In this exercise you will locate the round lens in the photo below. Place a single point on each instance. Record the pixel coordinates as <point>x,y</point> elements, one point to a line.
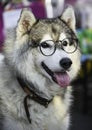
<point>69,45</point>
<point>47,47</point>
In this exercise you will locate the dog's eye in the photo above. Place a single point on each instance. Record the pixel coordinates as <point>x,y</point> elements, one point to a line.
<point>45,45</point>
<point>67,42</point>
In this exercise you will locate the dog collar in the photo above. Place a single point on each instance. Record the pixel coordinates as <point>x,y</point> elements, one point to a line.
<point>31,95</point>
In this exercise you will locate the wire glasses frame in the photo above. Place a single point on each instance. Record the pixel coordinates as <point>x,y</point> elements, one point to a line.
<point>48,47</point>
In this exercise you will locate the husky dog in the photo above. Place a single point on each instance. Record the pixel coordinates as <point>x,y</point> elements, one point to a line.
<point>40,62</point>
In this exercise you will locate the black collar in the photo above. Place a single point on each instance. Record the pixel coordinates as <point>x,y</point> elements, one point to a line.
<point>31,95</point>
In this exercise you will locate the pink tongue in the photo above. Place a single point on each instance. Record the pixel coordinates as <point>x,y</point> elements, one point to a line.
<point>62,79</point>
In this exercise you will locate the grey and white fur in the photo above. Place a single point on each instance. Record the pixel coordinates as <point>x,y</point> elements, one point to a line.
<point>20,59</point>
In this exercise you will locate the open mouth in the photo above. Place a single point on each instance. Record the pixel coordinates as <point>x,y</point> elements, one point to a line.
<point>61,78</point>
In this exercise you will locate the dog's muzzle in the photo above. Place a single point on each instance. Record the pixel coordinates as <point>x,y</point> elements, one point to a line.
<point>61,78</point>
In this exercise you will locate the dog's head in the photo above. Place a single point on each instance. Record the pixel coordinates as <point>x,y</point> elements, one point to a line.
<point>46,50</point>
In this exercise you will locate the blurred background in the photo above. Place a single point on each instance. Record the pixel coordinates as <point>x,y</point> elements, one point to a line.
<point>81,109</point>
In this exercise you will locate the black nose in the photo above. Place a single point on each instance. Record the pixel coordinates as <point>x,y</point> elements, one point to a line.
<point>65,63</point>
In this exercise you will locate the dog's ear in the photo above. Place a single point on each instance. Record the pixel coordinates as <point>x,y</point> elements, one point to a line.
<point>26,21</point>
<point>69,17</point>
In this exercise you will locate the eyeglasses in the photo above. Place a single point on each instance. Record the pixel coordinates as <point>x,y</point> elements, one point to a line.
<point>48,47</point>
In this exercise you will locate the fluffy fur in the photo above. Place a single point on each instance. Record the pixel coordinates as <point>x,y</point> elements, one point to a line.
<point>24,61</point>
